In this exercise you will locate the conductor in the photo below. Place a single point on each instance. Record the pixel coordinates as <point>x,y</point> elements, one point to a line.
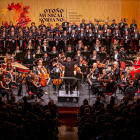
<point>69,72</point>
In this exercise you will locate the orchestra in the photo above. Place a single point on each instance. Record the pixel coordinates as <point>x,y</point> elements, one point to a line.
<point>78,47</point>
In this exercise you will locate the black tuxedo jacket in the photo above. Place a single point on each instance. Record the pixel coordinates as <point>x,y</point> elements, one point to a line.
<point>67,29</point>
<point>74,26</point>
<point>121,27</point>
<point>132,26</point>
<point>99,26</point>
<point>46,58</point>
<point>31,46</point>
<point>128,37</point>
<point>138,36</point>
<point>104,26</point>
<point>97,56</point>
<point>96,31</point>
<point>118,57</point>
<point>83,25</point>
<point>91,25</point>
<point>126,30</point>
<point>63,24</point>
<point>26,56</point>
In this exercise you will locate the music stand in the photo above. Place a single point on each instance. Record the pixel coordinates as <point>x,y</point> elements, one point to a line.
<point>102,56</point>
<point>37,56</point>
<point>87,54</point>
<point>23,55</point>
<point>29,61</point>
<point>53,55</point>
<point>17,56</point>
<point>70,54</point>
<point>45,63</point>
<point>91,61</point>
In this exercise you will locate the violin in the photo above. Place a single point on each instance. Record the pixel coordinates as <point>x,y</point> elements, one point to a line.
<point>101,65</point>
<point>84,63</point>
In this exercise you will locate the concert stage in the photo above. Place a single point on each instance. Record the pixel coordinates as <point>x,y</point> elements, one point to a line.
<point>83,93</point>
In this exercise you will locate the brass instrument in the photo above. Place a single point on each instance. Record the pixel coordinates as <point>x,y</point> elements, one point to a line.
<point>29,47</point>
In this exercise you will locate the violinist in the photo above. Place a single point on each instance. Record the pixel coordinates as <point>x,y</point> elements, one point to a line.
<point>116,70</point>
<point>82,62</point>
<point>125,81</point>
<point>100,65</point>
<point>93,75</point>
<point>8,67</point>
<point>95,55</point>
<point>131,90</point>
<point>36,88</point>
<point>136,67</point>
<point>46,57</point>
<point>8,58</point>
<point>4,90</point>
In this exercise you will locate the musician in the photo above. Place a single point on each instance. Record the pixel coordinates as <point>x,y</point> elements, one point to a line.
<point>21,40</point>
<point>116,56</point>
<point>134,29</point>
<point>26,31</point>
<point>125,81</point>
<point>36,88</point>
<point>69,50</point>
<point>91,25</point>
<point>38,51</point>
<point>78,29</point>
<point>82,62</point>
<point>57,40</point>
<point>95,55</point>
<point>98,25</point>
<point>133,24</point>
<point>60,30</point>
<point>116,70</point>
<point>73,38</point>
<point>126,41</point>
<point>74,26</point>
<point>42,25</point>
<point>12,42</point>
<point>100,65</point>
<point>97,46</point>
<point>69,67</point>
<point>29,45</point>
<point>34,33</point>
<point>109,86</point>
<point>8,67</point>
<point>52,31</point>
<point>65,40</point>
<point>29,83</point>
<point>3,42</point>
<point>105,29</point>
<point>4,90</point>
<point>90,38</point>
<point>49,38</point>
<point>83,25</point>
<point>131,90</point>
<point>113,25</point>
<point>115,45</point>
<point>80,45</point>
<point>78,54</point>
<point>15,52</point>
<point>29,58</point>
<point>45,46</point>
<point>99,36</point>
<point>81,36</point>
<point>7,56</point>
<point>107,37</point>
<point>69,29</point>
<point>33,26</point>
<point>136,67</point>
<point>86,30</point>
<point>121,25</point>
<point>117,34</point>
<point>39,38</point>
<point>54,51</point>
<point>126,29</point>
<point>93,76</point>
<point>65,24</point>
<point>135,40</point>
<point>46,57</point>
<point>123,53</point>
<point>38,69</point>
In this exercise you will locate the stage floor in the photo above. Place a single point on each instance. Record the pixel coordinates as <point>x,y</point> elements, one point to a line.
<point>83,94</point>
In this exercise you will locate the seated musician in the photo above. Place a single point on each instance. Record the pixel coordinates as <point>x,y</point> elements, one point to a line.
<point>97,46</point>
<point>8,58</point>
<point>29,45</point>
<point>131,90</point>
<point>38,51</point>
<point>125,81</point>
<point>16,51</point>
<point>109,85</point>
<point>80,45</point>
<point>103,50</point>
<point>116,70</point>
<point>54,51</point>
<point>100,65</point>
<point>8,67</point>
<point>36,88</point>
<point>29,84</point>
<point>29,57</point>
<point>136,67</point>
<point>57,69</point>
<point>78,54</point>
<point>69,50</point>
<point>95,55</point>
<point>46,57</point>
<point>85,49</point>
<point>3,90</point>
<point>45,46</point>
<point>93,76</point>
<point>115,45</point>
<point>82,62</point>
<point>116,56</point>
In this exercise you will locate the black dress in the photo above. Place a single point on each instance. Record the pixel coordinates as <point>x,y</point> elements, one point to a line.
<point>37,90</point>
<point>3,91</point>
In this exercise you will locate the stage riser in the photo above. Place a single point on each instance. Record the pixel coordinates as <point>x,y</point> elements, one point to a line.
<point>68,99</point>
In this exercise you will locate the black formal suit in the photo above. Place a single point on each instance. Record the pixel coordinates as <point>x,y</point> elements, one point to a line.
<point>79,47</point>
<point>112,26</point>
<point>3,44</point>
<point>126,42</point>
<point>21,42</point>
<point>90,39</point>
<point>69,30</point>
<point>73,38</point>
<point>121,26</point>
<point>65,25</point>
<point>132,26</point>
<point>95,31</point>
<point>117,35</point>
<point>116,73</point>
<point>32,46</point>
<point>99,26</point>
<point>99,37</point>
<point>126,29</point>
<point>65,41</point>
<point>46,58</point>
<point>133,31</point>
<point>97,49</point>
<point>29,59</point>
<point>45,48</point>
<point>69,72</point>
<point>107,38</point>
<point>29,83</point>
<point>81,36</point>
<point>97,57</point>
<point>74,26</point>
<point>78,30</point>
<point>91,25</point>
<point>12,44</point>
<point>57,42</point>
<point>117,58</point>
<point>135,40</point>
<point>123,54</point>
<point>83,25</point>
<point>107,26</point>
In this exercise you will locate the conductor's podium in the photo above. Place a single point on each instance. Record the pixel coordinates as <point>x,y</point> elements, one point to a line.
<point>63,97</point>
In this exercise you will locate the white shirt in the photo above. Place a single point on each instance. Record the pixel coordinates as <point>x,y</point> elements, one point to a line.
<point>116,56</point>
<point>28,57</point>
